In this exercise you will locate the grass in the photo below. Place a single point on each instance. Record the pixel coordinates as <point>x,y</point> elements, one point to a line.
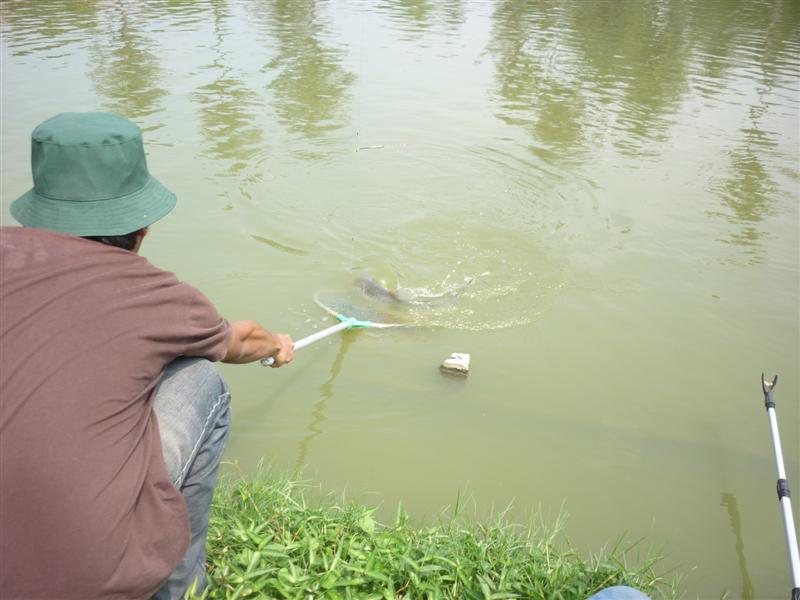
<point>267,540</point>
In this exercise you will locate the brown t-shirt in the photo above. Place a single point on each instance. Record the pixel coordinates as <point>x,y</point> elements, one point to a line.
<point>86,506</point>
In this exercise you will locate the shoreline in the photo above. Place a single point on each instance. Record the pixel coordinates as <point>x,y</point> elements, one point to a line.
<point>267,540</point>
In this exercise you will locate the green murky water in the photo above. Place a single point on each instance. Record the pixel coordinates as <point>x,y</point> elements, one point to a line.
<point>619,180</point>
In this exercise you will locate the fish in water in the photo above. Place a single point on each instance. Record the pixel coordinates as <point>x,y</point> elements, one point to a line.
<point>377,291</point>
<point>372,289</point>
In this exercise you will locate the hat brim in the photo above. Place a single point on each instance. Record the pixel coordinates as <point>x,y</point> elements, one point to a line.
<point>113,216</point>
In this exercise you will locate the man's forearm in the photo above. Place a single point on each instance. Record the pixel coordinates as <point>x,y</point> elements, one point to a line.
<point>251,342</point>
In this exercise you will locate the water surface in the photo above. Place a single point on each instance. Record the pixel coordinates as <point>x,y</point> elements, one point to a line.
<point>619,179</point>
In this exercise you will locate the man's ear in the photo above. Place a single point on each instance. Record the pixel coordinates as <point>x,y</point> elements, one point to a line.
<point>139,237</point>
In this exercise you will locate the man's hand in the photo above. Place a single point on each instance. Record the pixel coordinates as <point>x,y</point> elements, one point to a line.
<point>251,342</point>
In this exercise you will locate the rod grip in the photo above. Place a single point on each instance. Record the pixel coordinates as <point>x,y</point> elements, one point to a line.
<point>783,489</point>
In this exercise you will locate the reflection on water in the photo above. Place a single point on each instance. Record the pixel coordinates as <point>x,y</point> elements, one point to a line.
<point>749,189</point>
<point>537,78</point>
<point>411,16</point>
<point>572,74</point>
<point>227,105</point>
<point>416,20</point>
<point>748,193</point>
<point>318,411</point>
<point>619,177</point>
<point>575,73</point>
<point>31,28</point>
<point>637,53</point>
<point>575,76</point>
<point>718,51</point>
<point>729,502</point>
<point>453,10</point>
<point>309,83</point>
<point>179,15</point>
<point>125,66</point>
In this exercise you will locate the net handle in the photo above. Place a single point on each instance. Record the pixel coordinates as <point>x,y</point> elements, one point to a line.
<point>344,323</point>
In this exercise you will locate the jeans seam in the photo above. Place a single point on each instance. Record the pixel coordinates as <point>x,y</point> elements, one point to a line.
<point>201,437</point>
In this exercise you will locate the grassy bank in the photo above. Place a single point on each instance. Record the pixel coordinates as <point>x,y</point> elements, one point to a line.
<point>268,540</point>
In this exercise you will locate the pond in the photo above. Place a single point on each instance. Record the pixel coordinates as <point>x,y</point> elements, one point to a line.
<point>599,199</point>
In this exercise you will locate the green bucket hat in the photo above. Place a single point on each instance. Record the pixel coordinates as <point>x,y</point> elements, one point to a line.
<point>90,178</point>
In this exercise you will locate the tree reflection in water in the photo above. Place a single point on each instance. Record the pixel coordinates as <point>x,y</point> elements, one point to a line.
<point>228,107</point>
<point>124,67</point>
<point>28,29</point>
<point>577,77</point>
<point>310,84</point>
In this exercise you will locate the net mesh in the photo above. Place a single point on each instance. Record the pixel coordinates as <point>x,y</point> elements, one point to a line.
<point>378,314</point>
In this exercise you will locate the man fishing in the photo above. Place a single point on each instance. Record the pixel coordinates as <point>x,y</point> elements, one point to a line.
<point>113,418</point>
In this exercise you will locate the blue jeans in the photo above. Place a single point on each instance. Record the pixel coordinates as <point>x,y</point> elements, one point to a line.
<point>192,405</point>
<point>619,592</point>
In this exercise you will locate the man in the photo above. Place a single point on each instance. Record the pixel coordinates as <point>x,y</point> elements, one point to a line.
<point>112,417</point>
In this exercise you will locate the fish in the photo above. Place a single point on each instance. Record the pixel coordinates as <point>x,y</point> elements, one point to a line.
<point>375,290</point>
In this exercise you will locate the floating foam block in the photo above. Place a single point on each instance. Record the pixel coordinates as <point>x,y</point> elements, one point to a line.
<point>456,364</point>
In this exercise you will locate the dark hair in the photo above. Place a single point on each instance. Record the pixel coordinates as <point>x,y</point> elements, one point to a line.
<point>126,242</point>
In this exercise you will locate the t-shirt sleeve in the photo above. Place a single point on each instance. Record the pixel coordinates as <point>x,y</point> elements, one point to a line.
<point>209,334</point>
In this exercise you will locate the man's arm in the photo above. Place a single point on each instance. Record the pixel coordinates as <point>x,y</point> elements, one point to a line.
<point>251,342</point>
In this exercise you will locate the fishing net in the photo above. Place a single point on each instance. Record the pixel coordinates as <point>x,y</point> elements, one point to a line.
<point>377,314</point>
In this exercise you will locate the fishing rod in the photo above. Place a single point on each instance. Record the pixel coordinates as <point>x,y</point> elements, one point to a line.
<point>784,496</point>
